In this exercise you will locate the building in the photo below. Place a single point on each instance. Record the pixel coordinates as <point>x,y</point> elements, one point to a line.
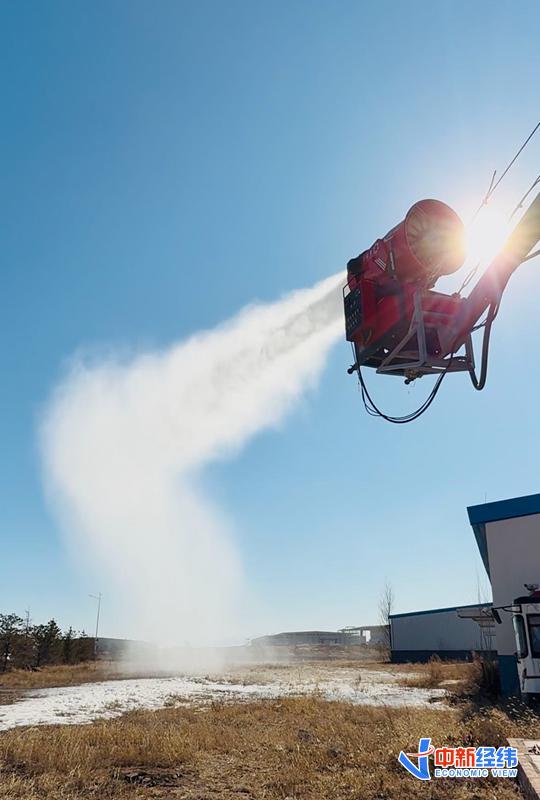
<point>367,635</point>
<point>508,536</point>
<point>110,649</point>
<point>297,638</point>
<point>507,533</point>
<point>418,635</point>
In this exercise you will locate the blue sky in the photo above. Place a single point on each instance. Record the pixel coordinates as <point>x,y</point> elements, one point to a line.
<point>162,165</point>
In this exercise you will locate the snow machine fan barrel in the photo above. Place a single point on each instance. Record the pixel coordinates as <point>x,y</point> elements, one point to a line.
<point>428,243</point>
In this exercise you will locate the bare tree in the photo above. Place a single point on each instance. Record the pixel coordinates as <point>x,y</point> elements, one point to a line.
<point>386,606</point>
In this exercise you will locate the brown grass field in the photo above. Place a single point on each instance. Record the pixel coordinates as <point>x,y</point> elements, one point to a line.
<point>303,748</point>
<point>63,675</point>
<point>432,674</point>
<point>17,681</point>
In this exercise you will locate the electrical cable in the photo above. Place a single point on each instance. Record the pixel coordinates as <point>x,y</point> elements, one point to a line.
<point>480,382</point>
<point>374,411</point>
<point>527,193</point>
<point>493,310</point>
<point>468,278</point>
<point>484,321</point>
<point>493,185</point>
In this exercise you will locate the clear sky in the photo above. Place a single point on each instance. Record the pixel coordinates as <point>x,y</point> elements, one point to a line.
<point>163,164</point>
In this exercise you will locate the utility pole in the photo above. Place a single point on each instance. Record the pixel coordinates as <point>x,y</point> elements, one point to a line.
<point>98,598</point>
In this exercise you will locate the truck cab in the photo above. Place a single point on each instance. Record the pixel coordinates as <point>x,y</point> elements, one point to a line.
<point>526,622</point>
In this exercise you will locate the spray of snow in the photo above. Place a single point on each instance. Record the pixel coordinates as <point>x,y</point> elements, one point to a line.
<point>124,442</point>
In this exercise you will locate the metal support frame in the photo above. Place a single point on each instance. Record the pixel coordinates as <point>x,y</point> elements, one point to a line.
<point>418,361</point>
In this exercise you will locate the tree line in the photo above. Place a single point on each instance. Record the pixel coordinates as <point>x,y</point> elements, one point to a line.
<point>27,646</point>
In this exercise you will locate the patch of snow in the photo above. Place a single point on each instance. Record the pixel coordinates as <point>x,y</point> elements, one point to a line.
<point>71,705</point>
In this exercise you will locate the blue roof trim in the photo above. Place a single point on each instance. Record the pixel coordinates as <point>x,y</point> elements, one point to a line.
<point>479,530</point>
<point>438,610</point>
<point>504,509</point>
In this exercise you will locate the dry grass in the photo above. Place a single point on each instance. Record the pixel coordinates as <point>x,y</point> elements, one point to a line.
<point>478,679</point>
<point>62,675</point>
<point>291,749</point>
<point>91,671</point>
<point>21,680</point>
<point>437,673</point>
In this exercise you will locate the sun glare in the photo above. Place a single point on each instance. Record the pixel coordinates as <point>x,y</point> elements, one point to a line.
<point>487,234</point>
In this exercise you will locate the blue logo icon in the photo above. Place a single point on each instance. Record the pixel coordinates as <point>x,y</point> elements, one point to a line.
<point>425,749</point>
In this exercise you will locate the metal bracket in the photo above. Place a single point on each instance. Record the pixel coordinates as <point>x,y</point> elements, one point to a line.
<point>415,362</point>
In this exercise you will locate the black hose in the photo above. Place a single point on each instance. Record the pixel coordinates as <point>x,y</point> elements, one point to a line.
<point>480,382</point>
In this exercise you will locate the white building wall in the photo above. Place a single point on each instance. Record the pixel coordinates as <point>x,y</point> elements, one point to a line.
<point>513,547</point>
<point>435,630</point>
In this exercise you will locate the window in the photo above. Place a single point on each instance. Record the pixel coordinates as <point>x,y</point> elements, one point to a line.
<point>521,636</point>
<point>534,634</point>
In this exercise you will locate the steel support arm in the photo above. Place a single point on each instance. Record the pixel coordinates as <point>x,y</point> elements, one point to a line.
<point>491,285</point>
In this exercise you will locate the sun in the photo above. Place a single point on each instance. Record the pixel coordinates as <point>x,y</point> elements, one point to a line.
<point>486,235</point>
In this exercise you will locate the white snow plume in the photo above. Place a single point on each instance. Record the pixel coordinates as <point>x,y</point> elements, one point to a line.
<point>124,443</point>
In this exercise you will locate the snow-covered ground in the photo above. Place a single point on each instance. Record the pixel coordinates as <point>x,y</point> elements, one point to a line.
<point>71,705</point>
